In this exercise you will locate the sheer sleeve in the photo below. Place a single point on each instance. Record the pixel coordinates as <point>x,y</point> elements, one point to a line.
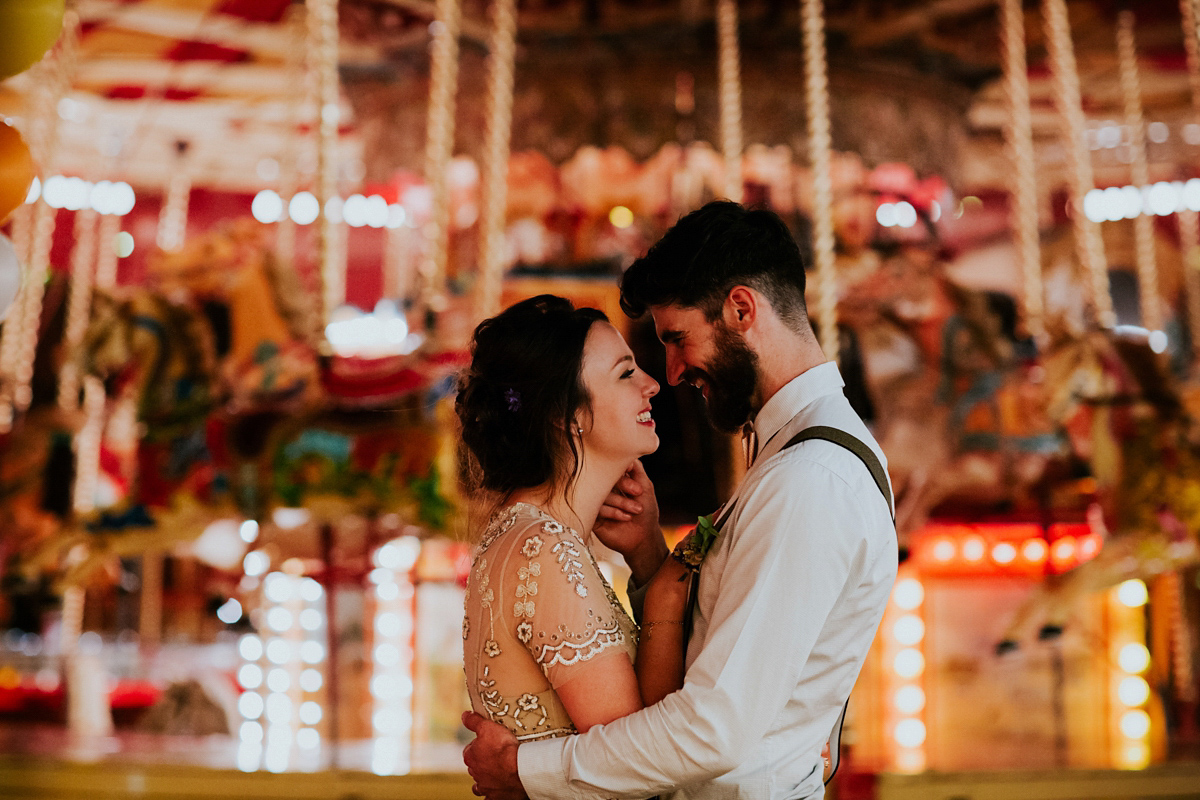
<point>563,610</point>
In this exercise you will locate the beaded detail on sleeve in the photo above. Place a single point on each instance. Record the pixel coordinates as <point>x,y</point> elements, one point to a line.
<point>537,607</point>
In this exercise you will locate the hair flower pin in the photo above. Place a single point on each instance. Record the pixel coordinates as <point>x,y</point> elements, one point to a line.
<point>513,398</point>
<point>692,549</point>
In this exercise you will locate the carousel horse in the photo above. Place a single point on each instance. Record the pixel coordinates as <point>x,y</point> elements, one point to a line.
<point>1126,418</point>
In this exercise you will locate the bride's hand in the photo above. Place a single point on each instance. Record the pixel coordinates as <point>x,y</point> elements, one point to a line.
<point>628,524</point>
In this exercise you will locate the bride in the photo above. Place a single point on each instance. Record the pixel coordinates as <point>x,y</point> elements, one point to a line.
<point>554,414</point>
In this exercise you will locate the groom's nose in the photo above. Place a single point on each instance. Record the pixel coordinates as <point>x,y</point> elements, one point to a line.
<point>675,367</point>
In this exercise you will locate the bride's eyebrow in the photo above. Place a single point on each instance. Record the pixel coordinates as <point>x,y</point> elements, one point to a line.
<point>622,360</point>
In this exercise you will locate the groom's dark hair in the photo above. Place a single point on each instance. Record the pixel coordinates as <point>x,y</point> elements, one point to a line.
<point>711,250</point>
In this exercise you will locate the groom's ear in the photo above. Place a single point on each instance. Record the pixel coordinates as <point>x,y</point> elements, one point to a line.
<point>741,308</point>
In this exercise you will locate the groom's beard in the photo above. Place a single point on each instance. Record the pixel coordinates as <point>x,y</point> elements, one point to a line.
<point>732,380</point>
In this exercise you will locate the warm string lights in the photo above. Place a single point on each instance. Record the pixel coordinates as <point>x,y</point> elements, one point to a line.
<point>1007,549</point>
<point>1130,692</point>
<point>495,161</point>
<point>902,641</point>
<point>1018,134</point>
<point>392,654</point>
<point>283,684</point>
<point>1089,247</point>
<point>730,86</point>
<point>820,149</point>
<point>439,144</point>
<point>1135,121</point>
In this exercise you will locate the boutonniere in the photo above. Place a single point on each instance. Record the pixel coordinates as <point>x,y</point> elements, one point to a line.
<point>695,546</point>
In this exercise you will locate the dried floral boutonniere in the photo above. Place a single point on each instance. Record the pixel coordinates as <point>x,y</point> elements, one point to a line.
<point>695,546</point>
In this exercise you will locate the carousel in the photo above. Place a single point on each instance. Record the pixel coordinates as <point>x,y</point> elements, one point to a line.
<point>242,249</point>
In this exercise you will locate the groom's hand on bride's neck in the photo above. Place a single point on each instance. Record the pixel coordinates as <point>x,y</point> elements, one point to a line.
<point>628,523</point>
<point>491,760</point>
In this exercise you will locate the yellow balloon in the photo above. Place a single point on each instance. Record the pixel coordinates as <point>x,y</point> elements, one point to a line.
<point>17,169</point>
<point>28,28</point>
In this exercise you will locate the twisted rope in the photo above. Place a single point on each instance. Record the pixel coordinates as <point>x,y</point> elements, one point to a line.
<point>1147,266</point>
<point>439,142</point>
<point>83,262</point>
<point>495,155</point>
<point>1089,247</point>
<point>730,84</point>
<point>1018,134</point>
<point>820,148</point>
<point>323,44</point>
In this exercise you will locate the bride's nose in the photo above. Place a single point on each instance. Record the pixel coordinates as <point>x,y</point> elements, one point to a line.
<point>651,387</point>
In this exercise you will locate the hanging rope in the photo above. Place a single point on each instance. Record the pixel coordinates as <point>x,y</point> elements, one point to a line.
<point>323,44</point>
<point>1135,121</point>
<point>1018,134</point>
<point>820,149</point>
<point>302,72</point>
<point>106,258</point>
<point>439,142</point>
<point>83,263</point>
<point>730,82</point>
<point>495,156</point>
<point>1189,221</point>
<point>1089,247</point>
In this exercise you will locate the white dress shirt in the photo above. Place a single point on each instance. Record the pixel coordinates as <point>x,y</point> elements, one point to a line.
<point>790,597</point>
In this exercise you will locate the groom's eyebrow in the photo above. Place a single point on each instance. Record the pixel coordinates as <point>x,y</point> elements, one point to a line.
<point>670,336</point>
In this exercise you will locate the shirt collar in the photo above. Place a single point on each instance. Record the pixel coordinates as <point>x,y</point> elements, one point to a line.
<point>815,382</point>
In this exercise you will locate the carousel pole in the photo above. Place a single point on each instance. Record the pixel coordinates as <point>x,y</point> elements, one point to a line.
<point>172,220</point>
<point>79,300</point>
<point>1189,221</point>
<point>495,166</point>
<point>1019,138</point>
<point>1089,247</point>
<point>304,87</point>
<point>323,44</point>
<point>107,258</point>
<point>730,82</point>
<point>439,144</point>
<point>820,149</point>
<point>1147,266</point>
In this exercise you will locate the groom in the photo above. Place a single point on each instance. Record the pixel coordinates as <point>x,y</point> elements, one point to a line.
<point>792,591</point>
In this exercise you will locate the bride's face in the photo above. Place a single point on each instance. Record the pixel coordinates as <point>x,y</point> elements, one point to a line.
<point>620,425</point>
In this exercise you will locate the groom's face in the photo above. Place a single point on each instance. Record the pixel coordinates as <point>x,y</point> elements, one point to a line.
<point>714,359</point>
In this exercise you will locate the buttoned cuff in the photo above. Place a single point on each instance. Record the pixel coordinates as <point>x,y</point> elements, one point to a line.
<point>540,768</point>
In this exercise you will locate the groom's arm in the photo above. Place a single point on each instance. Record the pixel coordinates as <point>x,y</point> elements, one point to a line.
<point>787,568</point>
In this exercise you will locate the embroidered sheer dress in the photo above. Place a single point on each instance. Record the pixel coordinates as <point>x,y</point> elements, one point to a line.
<point>537,608</point>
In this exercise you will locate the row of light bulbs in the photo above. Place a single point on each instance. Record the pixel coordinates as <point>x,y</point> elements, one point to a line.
<point>357,210</point>
<point>1127,202</point>
<point>905,633</point>
<point>75,194</point>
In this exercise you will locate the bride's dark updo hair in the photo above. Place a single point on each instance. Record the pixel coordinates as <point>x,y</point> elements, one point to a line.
<point>517,402</point>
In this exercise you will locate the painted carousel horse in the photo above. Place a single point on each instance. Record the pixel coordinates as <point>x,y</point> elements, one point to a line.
<point>1126,419</point>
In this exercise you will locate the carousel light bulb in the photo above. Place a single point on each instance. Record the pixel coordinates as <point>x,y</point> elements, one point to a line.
<point>974,548</point>
<point>397,216</point>
<point>250,676</point>
<point>277,587</point>
<point>311,619</point>
<point>1133,593</point>
<point>909,663</point>
<point>1133,691</point>
<point>304,208</point>
<point>620,217</point>
<point>250,647</point>
<point>387,655</point>
<point>35,190</point>
<point>310,712</point>
<point>311,680</point>
<point>54,191</point>
<point>1134,658</point>
<point>909,699</point>
<point>906,215</point>
<point>388,625</point>
<point>123,244</point>
<point>250,705</point>
<point>255,563</point>
<point>1135,724</point>
<point>908,594</point>
<point>1158,341</point>
<point>248,530</point>
<point>1004,553</point>
<point>250,732</point>
<point>312,653</point>
<point>1135,755</point>
<point>1063,550</point>
<point>310,590</point>
<point>1095,205</point>
<point>1034,551</point>
<point>278,680</point>
<point>909,733</point>
<point>1162,199</point>
<point>308,739</point>
<point>279,709</point>
<point>278,651</point>
<point>124,198</point>
<point>230,611</point>
<point>77,193</point>
<point>943,550</point>
<point>354,211</point>
<point>267,206</point>
<point>885,215</point>
<point>387,591</point>
<point>375,213</point>
<point>908,630</point>
<point>1191,194</point>
<point>279,619</point>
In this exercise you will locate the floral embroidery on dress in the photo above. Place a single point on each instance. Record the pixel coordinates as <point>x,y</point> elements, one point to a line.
<point>567,555</point>
<point>466,627</point>
<point>532,546</point>
<point>491,649</point>
<point>529,703</point>
<point>552,526</point>
<point>524,632</point>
